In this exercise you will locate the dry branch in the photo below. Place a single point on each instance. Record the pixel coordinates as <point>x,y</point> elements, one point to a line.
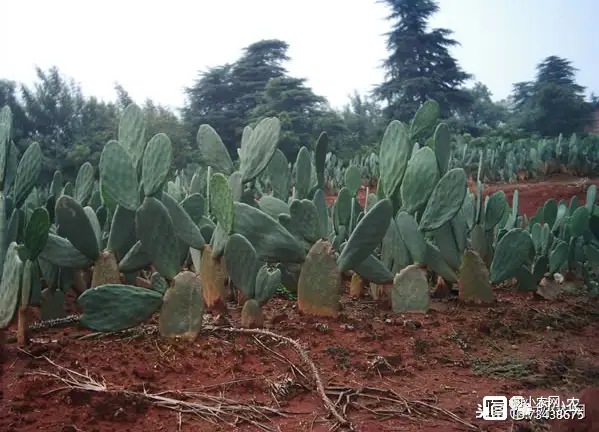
<point>209,407</point>
<point>305,358</point>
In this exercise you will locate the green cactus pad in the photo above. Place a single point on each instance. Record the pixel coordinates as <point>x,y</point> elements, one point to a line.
<point>353,179</point>
<point>273,243</point>
<point>28,171</point>
<point>135,259</point>
<point>268,281</point>
<point>56,185</point>
<point>273,206</point>
<point>435,262</point>
<point>494,209</point>
<point>482,243</point>
<point>279,176</point>
<point>95,224</point>
<point>185,229</point>
<point>242,264</point>
<point>422,174</point>
<point>305,222</point>
<point>513,250</point>
<point>442,140</point>
<point>155,230</point>
<point>319,282</point>
<point>410,291</point>
<point>5,135</point>
<point>118,178</point>
<point>580,221</point>
<point>115,307</point>
<point>445,239</point>
<point>550,212</point>
<point>591,198</point>
<point>156,163</point>
<point>132,132</point>
<point>526,280</point>
<point>367,235</point>
<point>10,285</point>
<point>558,256</point>
<point>183,308</point>
<point>446,200</point>
<point>235,185</point>
<point>320,154</point>
<point>373,270</point>
<point>424,120</point>
<point>395,152</point>
<point>61,252</point>
<point>322,210</point>
<point>342,209</point>
<point>36,233</point>
<point>84,184</point>
<point>213,151</point>
<point>221,202</point>
<point>303,170</point>
<point>159,284</point>
<point>75,226</point>
<point>122,235</point>
<point>412,236</point>
<point>194,206</point>
<point>474,281</point>
<point>260,148</point>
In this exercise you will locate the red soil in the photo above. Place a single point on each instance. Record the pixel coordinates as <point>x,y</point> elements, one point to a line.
<point>532,193</point>
<point>432,358</point>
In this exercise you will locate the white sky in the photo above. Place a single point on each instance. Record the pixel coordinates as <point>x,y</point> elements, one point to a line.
<point>154,49</point>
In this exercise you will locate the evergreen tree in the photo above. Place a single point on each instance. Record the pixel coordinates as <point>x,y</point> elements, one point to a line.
<point>419,66</point>
<point>553,103</point>
<point>298,109</point>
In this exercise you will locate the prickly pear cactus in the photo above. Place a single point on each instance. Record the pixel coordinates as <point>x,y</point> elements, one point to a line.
<point>182,308</point>
<point>319,282</point>
<point>10,285</point>
<point>213,277</point>
<point>474,284</point>
<point>410,292</point>
<point>251,315</point>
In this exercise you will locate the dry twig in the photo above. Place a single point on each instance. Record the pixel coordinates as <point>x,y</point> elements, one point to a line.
<point>209,407</point>
<point>305,358</point>
<point>396,405</point>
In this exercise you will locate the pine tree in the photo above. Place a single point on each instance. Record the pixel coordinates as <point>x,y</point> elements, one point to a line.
<point>553,103</point>
<point>419,66</point>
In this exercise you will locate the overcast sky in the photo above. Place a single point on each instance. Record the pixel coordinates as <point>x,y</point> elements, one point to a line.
<point>156,48</point>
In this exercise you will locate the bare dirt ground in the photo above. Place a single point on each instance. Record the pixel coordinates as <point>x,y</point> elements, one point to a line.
<point>383,372</point>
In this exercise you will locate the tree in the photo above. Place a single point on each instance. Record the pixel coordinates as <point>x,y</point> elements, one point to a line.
<point>211,100</point>
<point>162,119</point>
<point>225,96</point>
<point>419,66</point>
<point>122,96</point>
<point>482,115</point>
<point>54,111</point>
<point>553,103</point>
<point>9,96</point>
<point>261,62</point>
<point>298,109</point>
